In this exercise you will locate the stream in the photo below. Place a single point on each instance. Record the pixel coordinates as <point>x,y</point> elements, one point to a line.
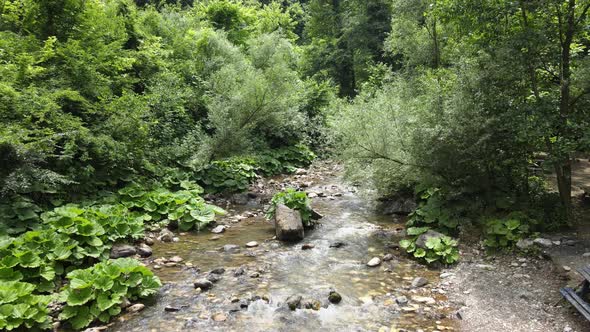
<point>251,292</point>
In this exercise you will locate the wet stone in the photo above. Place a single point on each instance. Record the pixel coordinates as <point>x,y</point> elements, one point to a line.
<point>135,307</point>
<point>334,297</point>
<point>337,244</point>
<point>218,229</point>
<point>144,250</point>
<point>294,302</point>
<point>307,246</point>
<point>252,244</point>
<point>203,284</point>
<point>375,261</point>
<point>219,317</point>
<point>213,277</point>
<point>122,250</point>
<point>387,257</point>
<point>231,247</point>
<point>219,270</point>
<point>175,259</point>
<point>239,271</point>
<point>401,300</point>
<point>169,308</point>
<point>419,282</point>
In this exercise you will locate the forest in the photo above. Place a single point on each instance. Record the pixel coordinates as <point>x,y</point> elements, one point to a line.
<point>122,118</point>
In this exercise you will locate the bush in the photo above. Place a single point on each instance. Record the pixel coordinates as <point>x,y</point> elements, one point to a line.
<point>432,212</point>
<point>97,292</point>
<point>296,200</point>
<point>20,308</point>
<point>438,249</point>
<point>184,206</point>
<point>234,174</point>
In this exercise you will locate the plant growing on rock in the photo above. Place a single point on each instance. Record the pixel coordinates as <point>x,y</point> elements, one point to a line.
<point>296,200</point>
<point>441,248</point>
<point>97,292</point>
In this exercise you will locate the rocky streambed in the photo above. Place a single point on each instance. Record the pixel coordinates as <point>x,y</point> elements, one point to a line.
<point>347,275</point>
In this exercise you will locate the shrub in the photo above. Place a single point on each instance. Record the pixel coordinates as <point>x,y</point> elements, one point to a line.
<point>184,206</point>
<point>296,200</point>
<point>20,308</point>
<point>97,292</point>
<point>501,233</point>
<point>234,174</point>
<point>432,212</point>
<point>442,249</point>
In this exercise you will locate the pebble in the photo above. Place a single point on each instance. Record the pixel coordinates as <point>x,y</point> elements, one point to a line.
<point>419,282</point>
<point>175,259</point>
<point>445,275</point>
<point>219,270</point>
<point>543,242</point>
<point>586,254</point>
<point>135,307</point>
<point>334,297</point>
<point>252,244</point>
<point>219,317</point>
<point>171,309</point>
<point>307,246</point>
<point>231,247</point>
<point>387,257</point>
<point>424,299</point>
<point>219,229</point>
<point>567,268</point>
<point>375,261</point>
<point>401,300</point>
<point>486,267</point>
<point>203,284</point>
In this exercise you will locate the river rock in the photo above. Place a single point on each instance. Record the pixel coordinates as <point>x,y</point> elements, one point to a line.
<point>170,308</point>
<point>387,257</point>
<point>144,250</point>
<point>175,259</point>
<point>334,297</point>
<point>307,246</point>
<point>218,229</point>
<point>543,242</point>
<point>312,304</point>
<point>219,317</point>
<point>524,244</point>
<point>136,307</point>
<point>166,235</point>
<point>419,282</point>
<point>219,270</point>
<point>149,241</point>
<point>252,244</point>
<point>401,300</point>
<point>213,277</point>
<point>398,205</point>
<point>424,299</point>
<point>375,261</point>
<point>239,271</point>
<point>294,302</point>
<point>239,199</point>
<point>421,241</point>
<point>203,284</point>
<point>231,247</point>
<point>337,244</point>
<point>315,215</point>
<point>288,224</point>
<point>122,250</point>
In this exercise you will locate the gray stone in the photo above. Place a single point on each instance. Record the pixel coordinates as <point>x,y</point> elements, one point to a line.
<point>218,229</point>
<point>252,244</point>
<point>419,282</point>
<point>294,302</point>
<point>169,308</point>
<point>334,297</point>
<point>421,241</point>
<point>375,261</point>
<point>524,244</point>
<point>219,270</point>
<point>166,235</point>
<point>213,277</point>
<point>401,300</point>
<point>387,257</point>
<point>144,250</point>
<point>312,304</point>
<point>543,242</point>
<point>337,244</point>
<point>203,284</point>
<point>399,205</point>
<point>586,254</point>
<point>239,271</point>
<point>288,224</point>
<point>239,199</point>
<point>122,250</point>
<point>315,215</point>
<point>231,247</point>
<point>149,241</point>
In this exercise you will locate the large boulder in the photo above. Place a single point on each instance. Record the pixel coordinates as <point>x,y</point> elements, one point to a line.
<point>122,250</point>
<point>421,241</point>
<point>398,205</point>
<point>288,224</point>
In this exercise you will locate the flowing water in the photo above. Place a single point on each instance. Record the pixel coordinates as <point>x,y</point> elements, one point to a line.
<point>273,271</point>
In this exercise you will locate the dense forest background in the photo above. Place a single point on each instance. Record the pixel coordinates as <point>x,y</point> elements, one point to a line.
<point>464,105</point>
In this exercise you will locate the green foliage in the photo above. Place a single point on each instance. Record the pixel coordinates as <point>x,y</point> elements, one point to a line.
<point>436,249</point>
<point>233,174</point>
<point>184,206</point>
<point>96,293</point>
<point>21,309</point>
<point>19,215</point>
<point>296,200</point>
<point>434,212</point>
<point>504,233</point>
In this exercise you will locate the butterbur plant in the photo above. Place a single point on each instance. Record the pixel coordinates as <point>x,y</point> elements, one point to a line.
<point>435,249</point>
<point>184,206</point>
<point>96,293</point>
<point>21,309</point>
<point>296,200</point>
<point>504,233</point>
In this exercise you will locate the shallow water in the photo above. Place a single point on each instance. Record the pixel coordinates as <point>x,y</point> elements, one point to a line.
<point>274,271</point>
